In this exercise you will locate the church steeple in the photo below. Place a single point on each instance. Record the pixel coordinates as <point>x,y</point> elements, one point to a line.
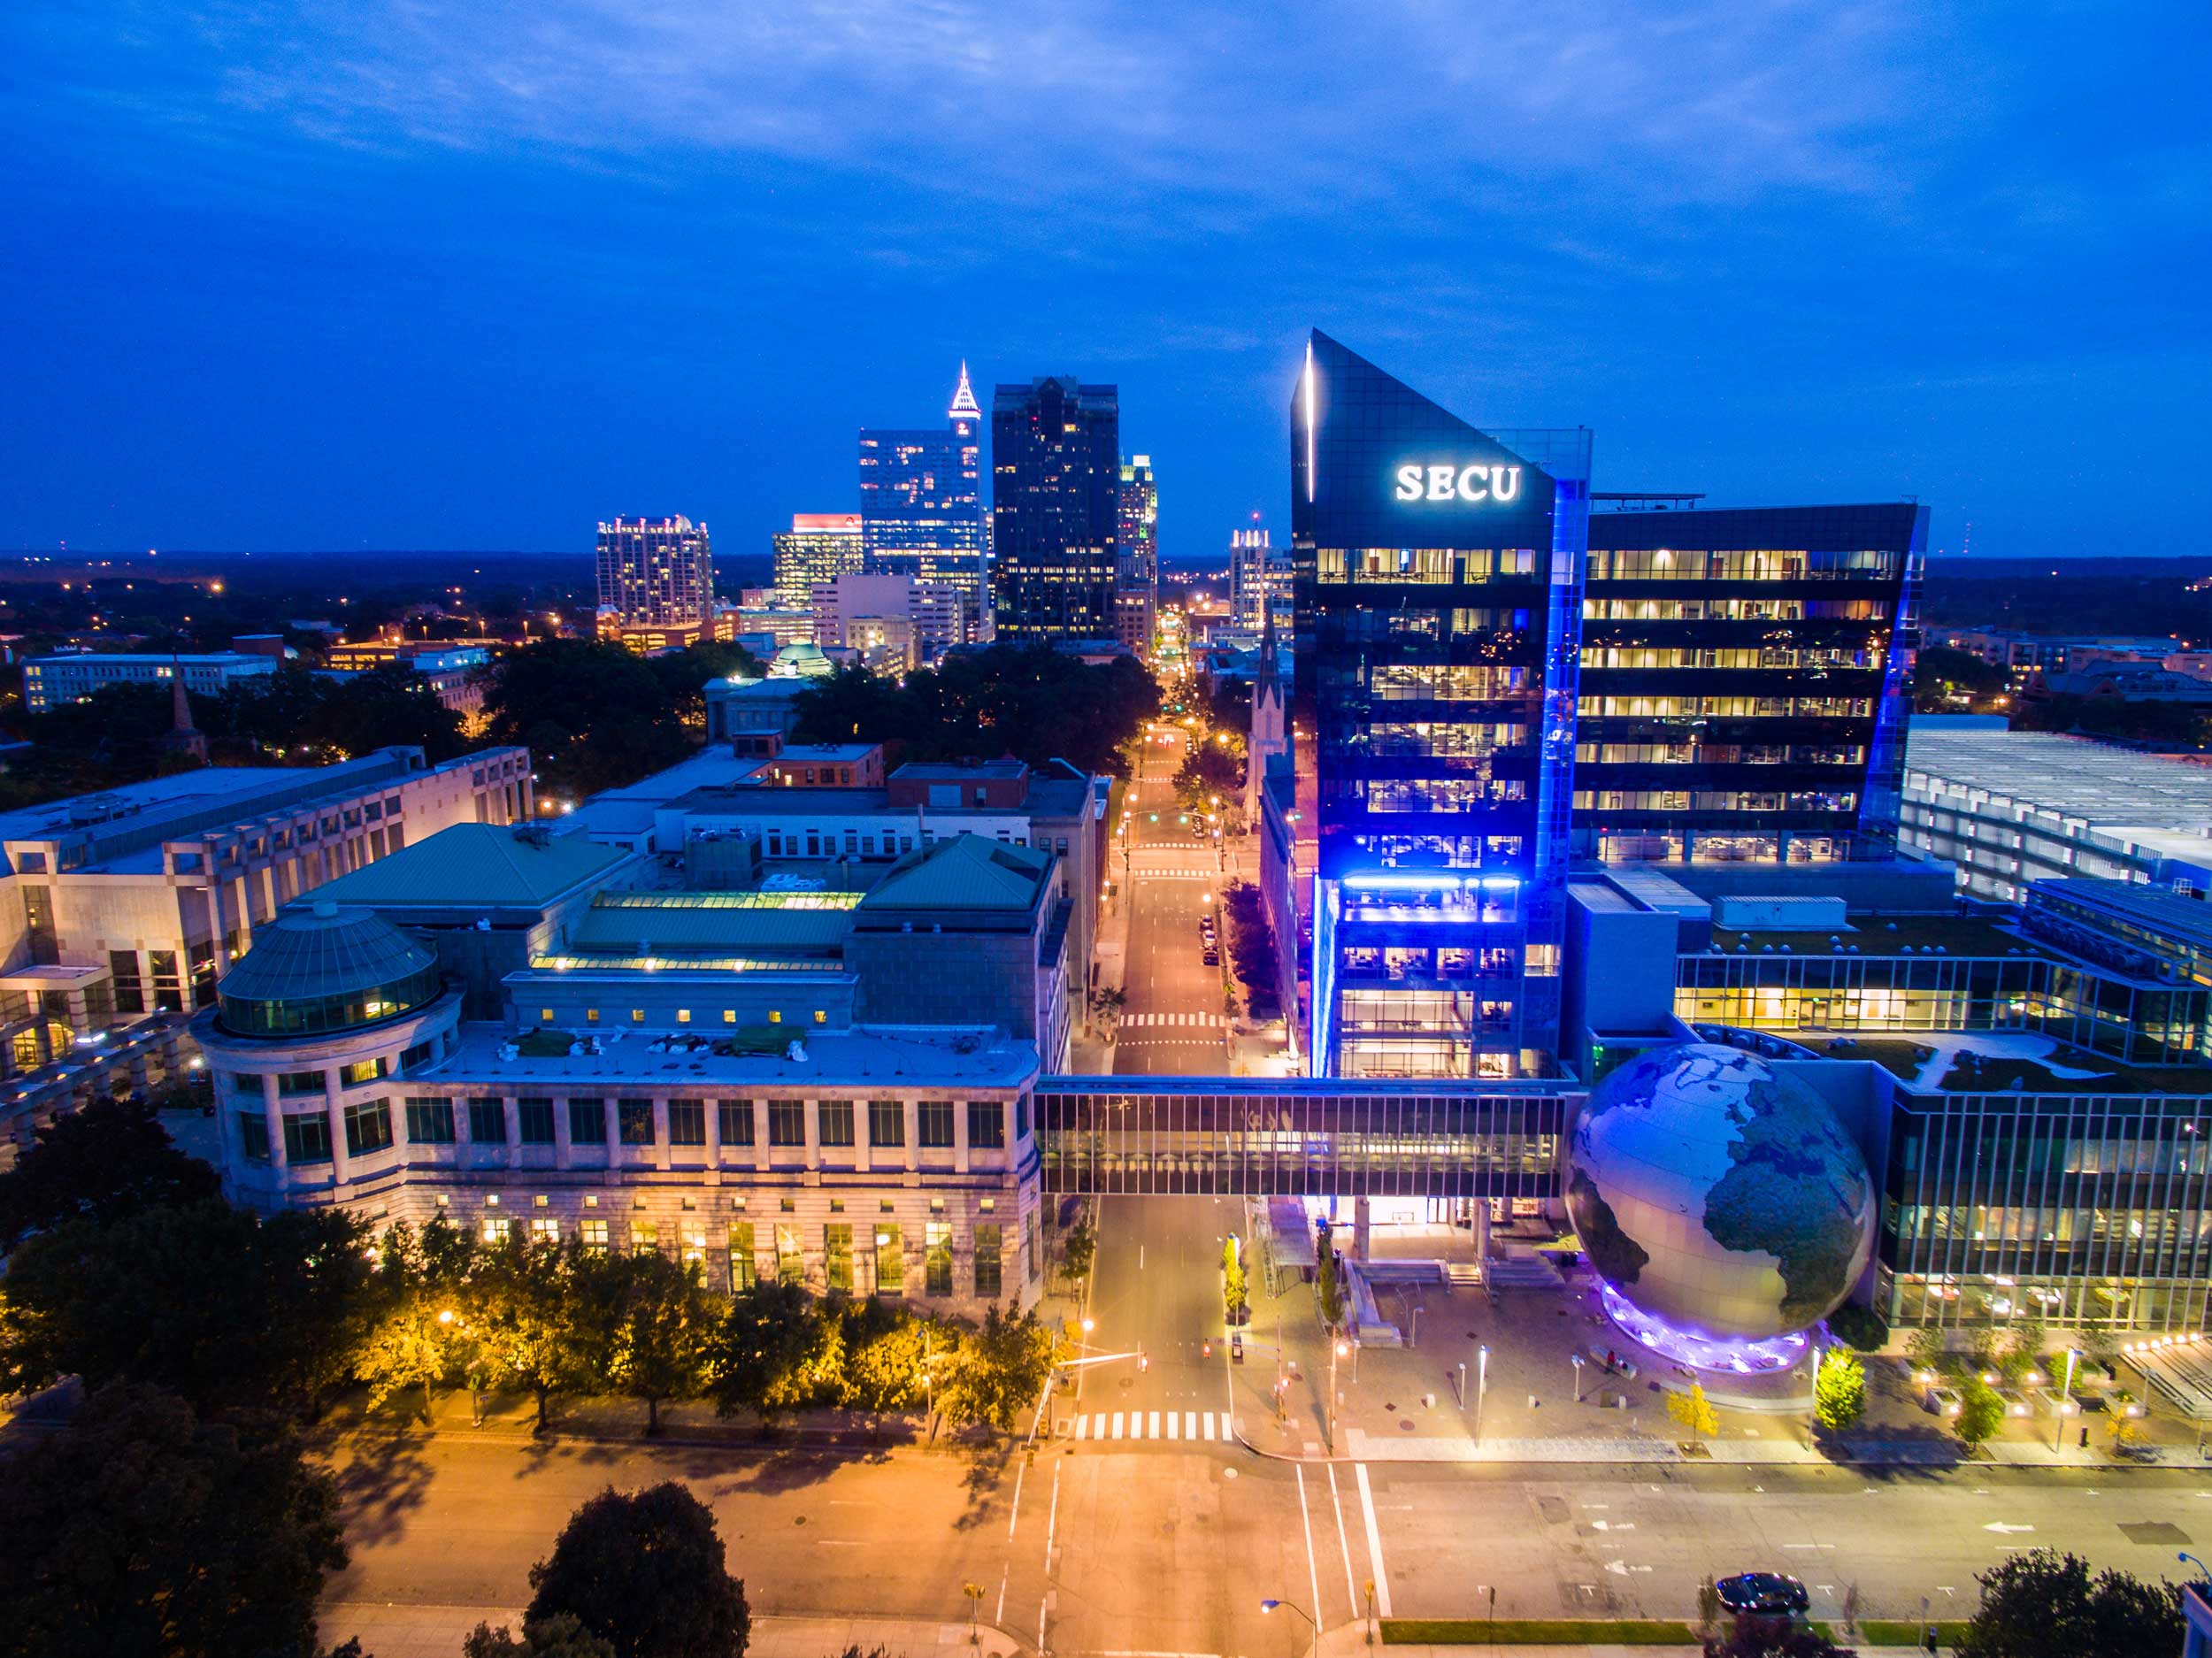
<point>963,403</point>
<point>183,740</point>
<point>1265,683</point>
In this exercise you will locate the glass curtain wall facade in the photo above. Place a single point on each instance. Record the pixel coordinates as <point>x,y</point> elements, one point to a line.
<point>921,503</point>
<point>1437,581</point>
<point>819,547</point>
<point>1745,682</point>
<point>1055,507</point>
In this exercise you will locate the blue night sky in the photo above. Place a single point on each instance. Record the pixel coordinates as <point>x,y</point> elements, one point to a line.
<point>339,274</point>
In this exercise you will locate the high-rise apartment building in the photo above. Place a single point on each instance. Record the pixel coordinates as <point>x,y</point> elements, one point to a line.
<point>921,503</point>
<point>656,580</point>
<point>1056,506</point>
<point>1137,522</point>
<point>819,547</point>
<point>1438,579</point>
<point>1259,577</point>
<point>1745,682</point>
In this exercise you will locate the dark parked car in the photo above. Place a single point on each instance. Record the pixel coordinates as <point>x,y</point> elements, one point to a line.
<point>1767,1592</point>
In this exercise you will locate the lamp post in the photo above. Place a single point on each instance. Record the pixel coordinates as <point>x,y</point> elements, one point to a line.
<point>1336,1352</point>
<point>1575,1359</point>
<point>2065,1398</point>
<point>1482,1386</point>
<point>1812,1426</point>
<point>1314,1642</point>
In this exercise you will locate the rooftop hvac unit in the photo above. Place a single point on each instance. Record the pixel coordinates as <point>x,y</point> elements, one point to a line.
<point>1780,914</point>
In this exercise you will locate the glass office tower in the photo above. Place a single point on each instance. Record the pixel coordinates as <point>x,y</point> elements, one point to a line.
<point>1055,507</point>
<point>921,503</point>
<point>1438,584</point>
<point>1745,683</point>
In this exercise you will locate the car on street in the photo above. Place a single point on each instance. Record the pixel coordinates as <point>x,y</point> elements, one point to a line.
<point>1768,1591</point>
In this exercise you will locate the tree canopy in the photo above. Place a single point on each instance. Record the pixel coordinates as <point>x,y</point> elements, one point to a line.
<point>111,1159</point>
<point>139,1528</point>
<point>645,1572</point>
<point>2042,1604</point>
<point>1031,702</point>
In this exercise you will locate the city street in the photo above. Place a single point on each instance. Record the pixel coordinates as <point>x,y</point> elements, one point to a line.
<point>1153,1545</point>
<point>1172,1024</point>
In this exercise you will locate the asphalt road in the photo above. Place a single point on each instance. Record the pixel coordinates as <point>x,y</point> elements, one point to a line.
<point>1172,1023</point>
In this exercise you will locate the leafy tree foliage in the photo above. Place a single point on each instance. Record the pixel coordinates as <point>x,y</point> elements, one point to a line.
<point>204,1300</point>
<point>595,714</point>
<point>999,1371</point>
<point>112,1158</point>
<point>1234,1288</point>
<point>646,1573</point>
<point>559,1636</point>
<point>1940,673</point>
<point>1773,1638</point>
<point>1079,1250</point>
<point>1036,704</point>
<point>417,1341</point>
<point>1211,769</point>
<point>1980,1411</point>
<point>2042,1604</point>
<point>1251,947</point>
<point>140,1528</point>
<point>1839,1395</point>
<point>1694,1414</point>
<point>766,1355</point>
<point>523,1309</point>
<point>884,1348</point>
<point>645,1321</point>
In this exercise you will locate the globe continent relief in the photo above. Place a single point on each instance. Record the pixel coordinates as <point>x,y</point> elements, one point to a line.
<point>1719,1193</point>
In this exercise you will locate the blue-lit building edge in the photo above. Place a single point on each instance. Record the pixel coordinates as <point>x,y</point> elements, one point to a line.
<point>1884,803</point>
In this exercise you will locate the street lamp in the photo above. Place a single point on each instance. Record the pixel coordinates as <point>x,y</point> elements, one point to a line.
<point>1482,1384</point>
<point>1336,1352</point>
<point>1812,1427</point>
<point>1313,1645</point>
<point>1575,1359</point>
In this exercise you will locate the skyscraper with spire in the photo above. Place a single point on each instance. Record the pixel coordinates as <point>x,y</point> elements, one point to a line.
<point>921,504</point>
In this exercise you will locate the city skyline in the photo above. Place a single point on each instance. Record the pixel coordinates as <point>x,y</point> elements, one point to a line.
<point>1946,279</point>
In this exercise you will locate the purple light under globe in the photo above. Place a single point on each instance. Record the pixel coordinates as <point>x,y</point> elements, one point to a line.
<point>1740,1355</point>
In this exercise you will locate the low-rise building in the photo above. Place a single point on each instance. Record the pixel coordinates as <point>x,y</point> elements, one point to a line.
<point>50,681</point>
<point>820,765</point>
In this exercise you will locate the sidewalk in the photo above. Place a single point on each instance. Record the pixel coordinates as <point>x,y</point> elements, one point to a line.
<point>390,1631</point>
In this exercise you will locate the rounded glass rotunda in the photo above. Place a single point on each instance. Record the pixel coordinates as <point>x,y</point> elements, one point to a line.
<point>327,969</point>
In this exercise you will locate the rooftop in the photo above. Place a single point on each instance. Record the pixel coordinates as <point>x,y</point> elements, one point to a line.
<point>682,927</point>
<point>966,873</point>
<point>2155,907</point>
<point>325,951</point>
<point>858,1057</point>
<point>2095,783</point>
<point>1888,935</point>
<point>478,866</point>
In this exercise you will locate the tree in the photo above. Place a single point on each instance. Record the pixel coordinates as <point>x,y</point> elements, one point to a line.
<point>2042,1604</point>
<point>999,1371</point>
<point>140,1528</point>
<point>522,1305</point>
<point>2022,1349</point>
<point>1839,1395</point>
<point>1079,1250</point>
<point>1234,1288</point>
<point>1773,1638</point>
<point>111,1159</point>
<point>652,1318</point>
<point>1927,1348</point>
<point>768,1353</point>
<point>1709,1609</point>
<point>420,1280</point>
<point>1328,1285</point>
<point>204,1300</point>
<point>559,1636</point>
<point>646,1573</point>
<point>1694,1413</point>
<point>1981,1412</point>
<point>883,1348</point>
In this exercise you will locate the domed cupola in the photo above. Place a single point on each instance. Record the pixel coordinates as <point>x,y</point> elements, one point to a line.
<point>322,971</point>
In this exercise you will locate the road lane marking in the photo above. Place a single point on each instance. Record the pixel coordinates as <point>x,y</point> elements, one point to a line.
<point>1152,1430</point>
<point>1117,1424</point>
<point>1190,1424</point>
<point>1374,1541</point>
<point>1228,1427</point>
<point>1209,1420</point>
<point>1305,1526</point>
<point>1014,1519</point>
<point>1343,1546</point>
<point>1174,1423</point>
<point>1052,1530</point>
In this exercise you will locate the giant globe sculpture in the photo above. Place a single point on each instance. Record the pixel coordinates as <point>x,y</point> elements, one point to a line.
<point>1721,1201</point>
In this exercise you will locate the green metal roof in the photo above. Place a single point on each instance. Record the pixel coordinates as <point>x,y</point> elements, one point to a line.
<point>478,866</point>
<point>326,951</point>
<point>707,927</point>
<point>966,873</point>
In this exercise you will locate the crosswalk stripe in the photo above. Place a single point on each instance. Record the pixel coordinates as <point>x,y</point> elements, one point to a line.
<point>1117,1424</point>
<point>1173,1424</point>
<point>1153,1432</point>
<point>1228,1426</point>
<point>1190,1424</point>
<point>1081,1422</point>
<point>1098,1427</point>
<point>1207,1422</point>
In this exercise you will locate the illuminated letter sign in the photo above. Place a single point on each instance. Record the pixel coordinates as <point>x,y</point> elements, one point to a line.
<point>1471,484</point>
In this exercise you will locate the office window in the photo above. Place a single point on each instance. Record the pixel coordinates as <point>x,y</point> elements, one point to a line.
<point>988,1264</point>
<point>307,1138</point>
<point>130,991</point>
<point>937,1258</point>
<point>987,1125</point>
<point>1029,1248</point>
<point>835,1118</point>
<point>362,1070</point>
<point>430,1122</point>
<point>645,1237</point>
<point>742,1267</point>
<point>420,1054</point>
<point>687,1121</point>
<point>300,1082</point>
<point>487,1122</point>
<point>887,1123</point>
<point>775,1015</point>
<point>594,1235</point>
<point>729,1016</point>
<point>890,1261</point>
<point>1021,1117</point>
<point>536,1121</point>
<point>936,1123</point>
<point>587,1122</point>
<point>790,1255</point>
<point>837,1255</point>
<point>253,1135</point>
<point>821,1015</point>
<point>637,1122</point>
<point>368,1126</point>
<point>786,1122</point>
<point>545,1016</point>
<point>591,1016</point>
<point>637,1016</point>
<point>683,1016</point>
<point>737,1122</point>
<point>544,1229</point>
<point>497,1230</point>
